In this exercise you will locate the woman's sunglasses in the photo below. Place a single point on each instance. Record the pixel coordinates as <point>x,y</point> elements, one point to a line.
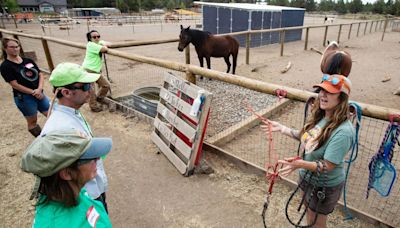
<point>94,37</point>
<point>333,80</point>
<point>85,87</point>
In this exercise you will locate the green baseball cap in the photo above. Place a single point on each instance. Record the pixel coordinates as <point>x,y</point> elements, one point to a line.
<point>56,150</point>
<point>69,73</point>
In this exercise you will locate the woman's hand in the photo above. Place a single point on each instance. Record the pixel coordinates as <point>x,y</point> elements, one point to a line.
<point>289,165</point>
<point>275,126</point>
<point>38,93</point>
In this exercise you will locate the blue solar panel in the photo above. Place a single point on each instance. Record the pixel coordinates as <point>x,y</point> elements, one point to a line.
<point>217,20</point>
<point>224,22</point>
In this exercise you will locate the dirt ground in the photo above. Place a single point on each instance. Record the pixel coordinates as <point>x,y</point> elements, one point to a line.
<point>145,189</point>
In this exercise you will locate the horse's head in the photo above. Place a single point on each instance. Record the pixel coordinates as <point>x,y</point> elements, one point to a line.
<point>184,38</point>
<point>332,45</point>
<point>334,61</point>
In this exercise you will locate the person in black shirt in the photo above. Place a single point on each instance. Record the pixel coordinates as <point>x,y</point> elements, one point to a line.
<point>26,80</point>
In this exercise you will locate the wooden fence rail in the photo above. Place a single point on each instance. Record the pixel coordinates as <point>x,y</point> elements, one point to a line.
<point>282,31</point>
<point>191,70</point>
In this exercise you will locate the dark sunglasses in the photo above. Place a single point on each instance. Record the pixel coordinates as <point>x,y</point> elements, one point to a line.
<point>85,161</point>
<point>85,87</point>
<point>94,37</point>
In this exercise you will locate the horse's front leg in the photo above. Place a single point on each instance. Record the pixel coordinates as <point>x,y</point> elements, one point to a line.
<point>201,60</point>
<point>208,60</point>
<point>227,63</point>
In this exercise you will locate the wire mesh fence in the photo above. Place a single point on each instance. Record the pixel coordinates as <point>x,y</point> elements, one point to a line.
<point>253,146</point>
<point>230,115</point>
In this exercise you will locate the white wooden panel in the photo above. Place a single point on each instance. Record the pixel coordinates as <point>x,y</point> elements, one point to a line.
<point>177,122</point>
<point>182,85</point>
<point>171,137</point>
<point>176,102</point>
<point>172,157</point>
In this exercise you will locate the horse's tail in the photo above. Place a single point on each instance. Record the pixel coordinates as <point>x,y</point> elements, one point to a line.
<point>335,65</point>
<point>234,53</point>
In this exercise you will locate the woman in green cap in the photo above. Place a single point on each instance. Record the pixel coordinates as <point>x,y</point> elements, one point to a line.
<point>63,161</point>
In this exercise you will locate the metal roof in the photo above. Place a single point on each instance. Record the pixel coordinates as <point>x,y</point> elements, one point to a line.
<point>248,6</point>
<point>39,2</point>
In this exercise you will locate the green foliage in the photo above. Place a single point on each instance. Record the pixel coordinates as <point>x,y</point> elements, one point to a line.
<point>310,5</point>
<point>341,7</point>
<point>378,6</point>
<point>12,6</point>
<point>355,6</point>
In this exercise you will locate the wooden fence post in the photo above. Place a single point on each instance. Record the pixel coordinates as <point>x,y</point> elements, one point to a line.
<point>325,35</point>
<point>340,30</point>
<point>282,41</point>
<point>351,26</point>
<point>87,24</point>
<point>384,29</point>
<point>2,52</point>
<point>370,28</point>
<point>15,21</point>
<point>248,39</point>
<point>358,29</point>
<point>189,75</point>
<point>2,22</point>
<point>306,41</point>
<point>365,28</point>
<point>48,55</point>
<point>376,26</point>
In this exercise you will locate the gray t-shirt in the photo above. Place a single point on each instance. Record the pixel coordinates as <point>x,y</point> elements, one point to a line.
<point>334,150</point>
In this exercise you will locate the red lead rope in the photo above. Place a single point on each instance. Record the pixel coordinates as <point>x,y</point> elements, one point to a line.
<point>270,176</point>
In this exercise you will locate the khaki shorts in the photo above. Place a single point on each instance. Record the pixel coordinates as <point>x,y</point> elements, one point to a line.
<point>327,205</point>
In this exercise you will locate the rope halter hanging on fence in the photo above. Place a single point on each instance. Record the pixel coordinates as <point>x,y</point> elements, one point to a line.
<point>355,117</point>
<point>272,165</point>
<point>382,173</point>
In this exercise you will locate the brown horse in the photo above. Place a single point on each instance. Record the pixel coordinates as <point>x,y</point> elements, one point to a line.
<point>334,61</point>
<point>208,45</point>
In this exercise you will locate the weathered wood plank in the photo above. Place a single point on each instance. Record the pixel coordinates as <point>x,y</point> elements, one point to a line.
<point>177,103</point>
<point>177,122</point>
<point>172,157</point>
<point>174,139</point>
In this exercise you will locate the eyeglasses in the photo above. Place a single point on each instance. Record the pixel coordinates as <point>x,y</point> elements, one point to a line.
<point>85,87</point>
<point>96,37</point>
<point>332,79</point>
<point>13,47</point>
<point>85,161</point>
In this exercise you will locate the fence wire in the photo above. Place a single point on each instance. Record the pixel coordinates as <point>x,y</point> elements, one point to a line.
<point>229,113</point>
<point>253,145</point>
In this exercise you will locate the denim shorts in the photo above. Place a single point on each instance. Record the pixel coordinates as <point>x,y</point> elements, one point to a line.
<point>30,105</point>
<point>327,205</point>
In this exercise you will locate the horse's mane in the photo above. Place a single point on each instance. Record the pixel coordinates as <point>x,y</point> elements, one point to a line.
<point>198,36</point>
